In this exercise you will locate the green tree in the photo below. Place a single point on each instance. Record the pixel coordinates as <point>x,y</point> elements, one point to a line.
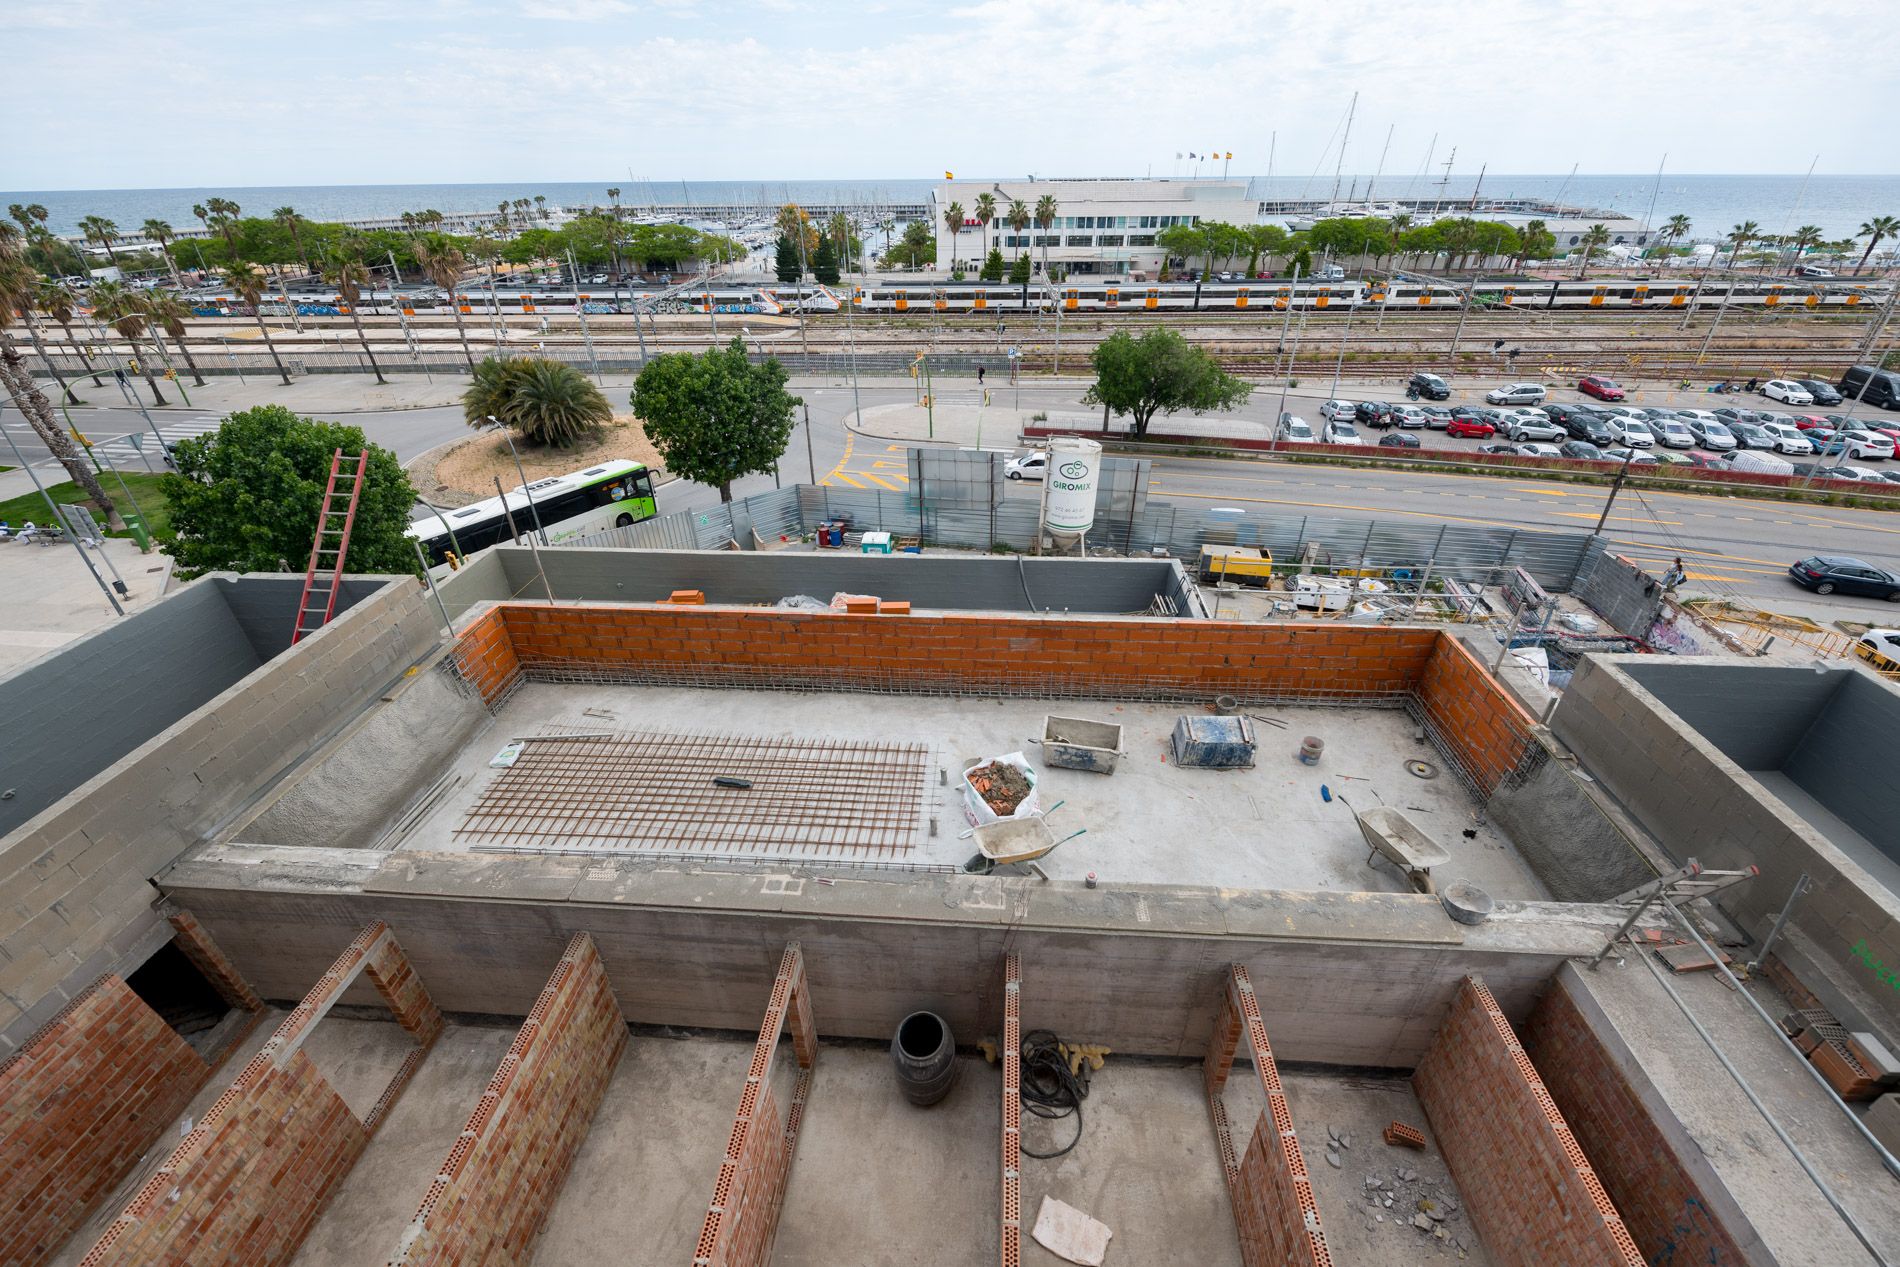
<point>1046,209</point>
<point>785,260</point>
<point>916,248</point>
<point>249,285</point>
<point>824,265</point>
<point>1594,239</point>
<point>15,279</point>
<point>169,313</point>
<point>102,231</point>
<point>161,233</point>
<point>56,300</point>
<point>993,265</point>
<point>349,277</point>
<point>288,217</point>
<point>1160,372</point>
<point>124,310</point>
<point>1874,230</point>
<point>444,264</point>
<point>1019,271</point>
<point>1018,215</point>
<point>246,496</point>
<point>985,213</point>
<point>1741,235</point>
<point>953,221</point>
<point>1180,240</point>
<point>715,417</point>
<point>1263,239</point>
<point>1303,261</point>
<point>546,402</point>
<point>1674,230</point>
<point>1535,240</point>
<point>223,215</point>
<point>1804,239</point>
<point>19,293</point>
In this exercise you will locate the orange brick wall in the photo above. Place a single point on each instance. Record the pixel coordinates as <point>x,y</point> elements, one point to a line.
<point>79,1104</point>
<point>197,946</point>
<point>505,1171</point>
<point>1531,1192</point>
<point>1486,730</point>
<point>1661,1204</point>
<point>486,655</point>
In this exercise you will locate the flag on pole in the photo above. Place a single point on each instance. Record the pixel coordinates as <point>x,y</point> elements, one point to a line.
<point>1230,154</point>
<point>949,175</point>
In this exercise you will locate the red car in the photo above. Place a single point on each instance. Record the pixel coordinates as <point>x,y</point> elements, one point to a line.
<point>1601,388</point>
<point>1808,422</point>
<point>1470,427</point>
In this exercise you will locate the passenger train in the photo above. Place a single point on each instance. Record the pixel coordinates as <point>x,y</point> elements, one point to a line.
<point>1104,296</point>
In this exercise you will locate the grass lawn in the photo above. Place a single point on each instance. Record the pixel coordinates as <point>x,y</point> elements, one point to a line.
<point>145,491</point>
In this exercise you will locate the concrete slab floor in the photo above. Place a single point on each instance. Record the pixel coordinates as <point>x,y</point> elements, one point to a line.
<point>378,1198</point>
<point>1148,822</point>
<point>1789,1213</point>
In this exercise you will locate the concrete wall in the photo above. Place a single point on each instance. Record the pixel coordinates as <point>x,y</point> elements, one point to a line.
<point>937,581</point>
<point>500,1180</point>
<point>1698,802</point>
<point>1578,852</point>
<point>1859,729</point>
<point>76,876</point>
<point>79,1105</point>
<point>1675,1207</point>
<point>1620,592</point>
<point>1754,714</point>
<point>265,607</point>
<point>1531,1192</point>
<point>1354,979</point>
<point>83,707</point>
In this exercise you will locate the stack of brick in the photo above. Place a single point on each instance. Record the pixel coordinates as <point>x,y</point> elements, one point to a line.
<point>80,1102</point>
<point>502,1176</point>
<point>1530,1189</point>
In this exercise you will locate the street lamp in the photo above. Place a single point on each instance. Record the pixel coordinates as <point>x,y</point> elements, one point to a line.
<point>534,512</point>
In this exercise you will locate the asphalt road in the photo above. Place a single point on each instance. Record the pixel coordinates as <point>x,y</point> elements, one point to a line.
<point>1728,544</point>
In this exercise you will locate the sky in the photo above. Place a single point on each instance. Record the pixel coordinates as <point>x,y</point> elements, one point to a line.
<point>108,94</point>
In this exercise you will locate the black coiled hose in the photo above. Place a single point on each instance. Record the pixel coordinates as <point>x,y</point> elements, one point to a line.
<point>1049,1089</point>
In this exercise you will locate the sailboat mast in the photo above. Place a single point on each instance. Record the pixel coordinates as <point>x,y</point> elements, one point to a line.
<point>1339,168</point>
<point>1383,151</point>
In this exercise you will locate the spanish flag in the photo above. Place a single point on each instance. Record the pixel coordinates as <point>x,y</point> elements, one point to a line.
<point>949,175</point>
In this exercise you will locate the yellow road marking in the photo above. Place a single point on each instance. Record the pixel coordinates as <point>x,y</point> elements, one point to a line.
<point>1376,510</point>
<point>1547,492</point>
<point>840,475</point>
<point>895,448</point>
<point>1630,519</point>
<point>879,480</point>
<point>850,438</point>
<point>902,466</point>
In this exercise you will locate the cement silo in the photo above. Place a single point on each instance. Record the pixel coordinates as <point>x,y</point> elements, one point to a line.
<point>1068,499</point>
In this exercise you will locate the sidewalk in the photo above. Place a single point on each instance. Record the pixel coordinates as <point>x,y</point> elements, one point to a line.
<point>968,426</point>
<point>50,599</point>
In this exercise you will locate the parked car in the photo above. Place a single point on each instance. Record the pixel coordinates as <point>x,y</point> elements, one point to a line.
<point>1869,446</point>
<point>1516,394</point>
<point>1631,431</point>
<point>1582,424</point>
<point>1530,425</point>
<point>1760,463</point>
<point>1872,385</point>
<point>1621,411</point>
<point>1372,413</point>
<point>1336,409</point>
<point>1031,466</point>
<point>1294,429</point>
<point>1437,417</point>
<point>1539,451</point>
<point>1411,417</point>
<point>1398,440</point>
<point>1430,386</point>
<point>1827,573</point>
<point>1668,457</point>
<point>1600,387</point>
<point>1711,434</point>
<point>1749,436</point>
<point>1580,449</point>
<point>1832,471</point>
<point>1823,393</point>
<point>1729,415</point>
<point>1880,648</point>
<point>1340,431</point>
<point>1467,428</point>
<point>1788,438</point>
<point>1787,391</point>
<point>1499,447</point>
<point>1623,453</point>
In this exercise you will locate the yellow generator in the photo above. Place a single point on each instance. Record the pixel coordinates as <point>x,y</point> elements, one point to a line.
<point>1244,565</point>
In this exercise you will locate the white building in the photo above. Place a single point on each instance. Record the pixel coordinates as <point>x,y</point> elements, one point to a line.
<point>1103,227</point>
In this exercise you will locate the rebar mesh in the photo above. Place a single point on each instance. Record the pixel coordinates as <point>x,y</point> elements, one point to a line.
<point>646,792</point>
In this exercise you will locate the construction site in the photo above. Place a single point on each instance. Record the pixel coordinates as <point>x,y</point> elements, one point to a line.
<point>626,904</point>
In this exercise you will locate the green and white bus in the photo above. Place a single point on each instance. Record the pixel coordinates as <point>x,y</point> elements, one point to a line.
<point>610,495</point>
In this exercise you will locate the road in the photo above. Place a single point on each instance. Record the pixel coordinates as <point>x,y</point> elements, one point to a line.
<point>1734,545</point>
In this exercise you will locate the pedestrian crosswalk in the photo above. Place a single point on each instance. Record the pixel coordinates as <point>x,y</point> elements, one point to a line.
<point>115,437</point>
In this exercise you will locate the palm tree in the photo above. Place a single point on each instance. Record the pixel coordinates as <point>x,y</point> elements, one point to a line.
<point>19,288</point>
<point>1874,230</point>
<point>1805,239</point>
<point>1045,217</point>
<point>160,232</point>
<point>249,284</point>
<point>288,217</point>
<point>953,221</point>
<point>124,309</point>
<point>541,205</point>
<point>613,196</point>
<point>443,265</point>
<point>349,277</point>
<point>501,215</point>
<point>554,403</point>
<point>104,232</point>
<point>1594,239</point>
<point>1676,229</point>
<point>985,212</point>
<point>169,313</point>
<point>1741,235</point>
<point>56,300</point>
<point>15,272</point>
<point>224,214</point>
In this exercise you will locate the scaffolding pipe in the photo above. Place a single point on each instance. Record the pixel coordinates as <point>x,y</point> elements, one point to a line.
<point>1762,1109</point>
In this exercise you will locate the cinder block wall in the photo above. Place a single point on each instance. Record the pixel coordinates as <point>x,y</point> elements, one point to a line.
<point>79,1104</point>
<point>1529,1188</point>
<point>77,874</point>
<point>1655,1178</point>
<point>501,1178</point>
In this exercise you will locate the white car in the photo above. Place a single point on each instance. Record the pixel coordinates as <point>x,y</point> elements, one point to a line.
<point>1539,451</point>
<point>1869,445</point>
<point>1335,409</point>
<point>1713,435</point>
<point>1788,438</point>
<point>1529,424</point>
<point>1632,431</point>
<point>1031,466</point>
<point>1341,431</point>
<point>1294,429</point>
<point>1411,416</point>
<point>1516,394</point>
<point>1672,434</point>
<point>1621,411</point>
<point>1702,416</point>
<point>1787,392</point>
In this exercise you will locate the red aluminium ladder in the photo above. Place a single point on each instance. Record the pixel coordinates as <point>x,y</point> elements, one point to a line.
<point>318,602</point>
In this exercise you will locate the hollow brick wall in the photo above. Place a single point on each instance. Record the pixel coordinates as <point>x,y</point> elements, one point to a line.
<point>79,1104</point>
<point>1666,1210</point>
<point>505,1170</point>
<point>1531,1192</point>
<point>1471,714</point>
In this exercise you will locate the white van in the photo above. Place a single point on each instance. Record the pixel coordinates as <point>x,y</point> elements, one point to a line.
<point>1763,463</point>
<point>1329,273</point>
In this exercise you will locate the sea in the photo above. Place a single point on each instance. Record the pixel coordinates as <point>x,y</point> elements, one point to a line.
<point>1779,204</point>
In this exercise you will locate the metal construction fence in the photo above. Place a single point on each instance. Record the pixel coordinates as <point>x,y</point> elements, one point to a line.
<point>1553,559</point>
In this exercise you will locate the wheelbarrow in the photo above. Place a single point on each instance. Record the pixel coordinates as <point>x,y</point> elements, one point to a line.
<point>1389,832</point>
<point>1015,842</point>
